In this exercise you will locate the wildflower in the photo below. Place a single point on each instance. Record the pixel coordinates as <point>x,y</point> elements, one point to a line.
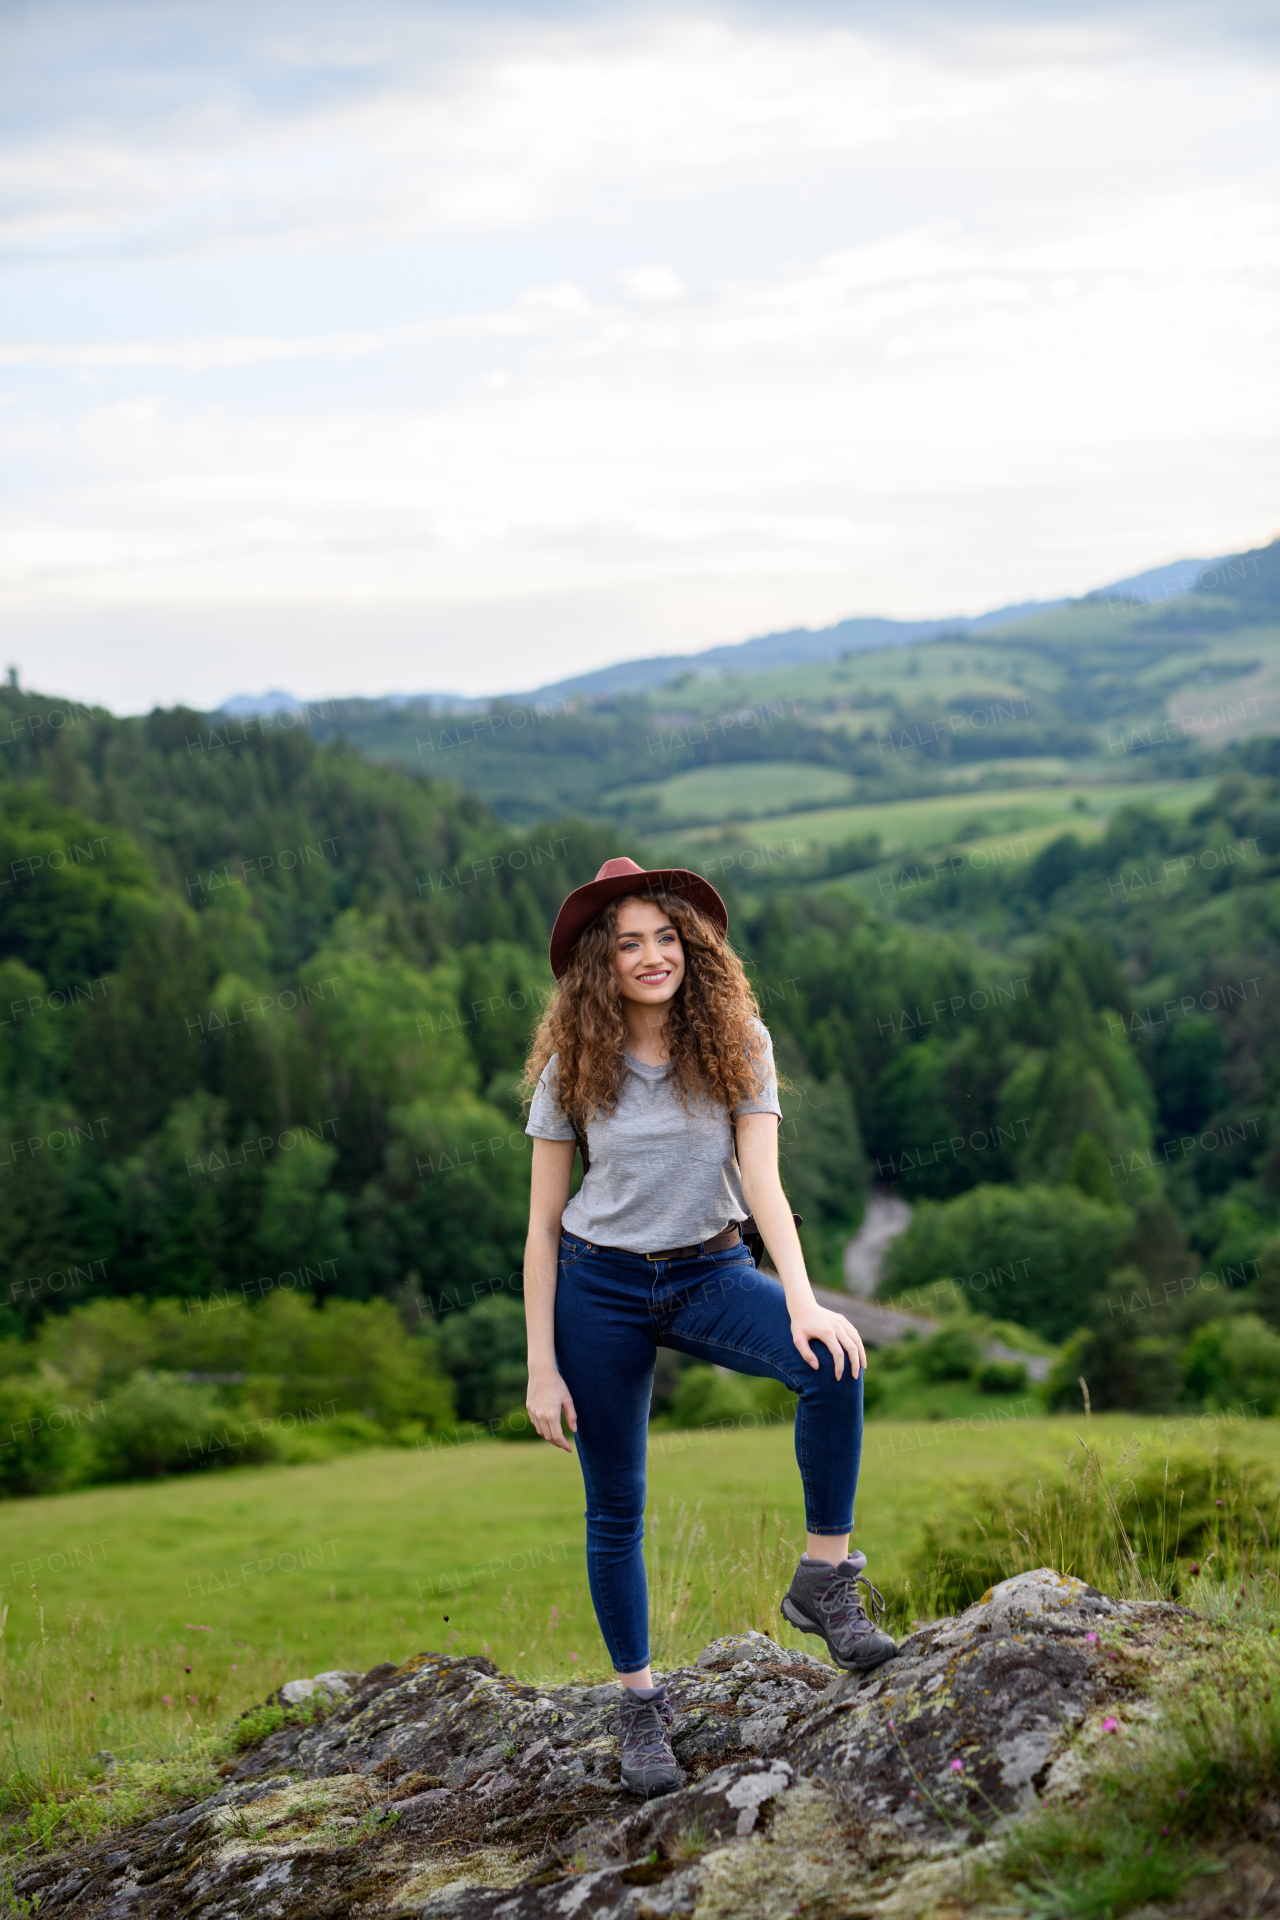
<point>573,1656</point>
<point>1194,1568</point>
<point>167,1698</point>
<point>890,1725</point>
<point>1217,1503</point>
<point>186,1669</point>
<point>1092,1639</point>
<point>957,1766</point>
<point>1110,1726</point>
<point>233,1666</point>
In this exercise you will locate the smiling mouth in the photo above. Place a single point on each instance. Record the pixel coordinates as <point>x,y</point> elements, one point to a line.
<point>654,979</point>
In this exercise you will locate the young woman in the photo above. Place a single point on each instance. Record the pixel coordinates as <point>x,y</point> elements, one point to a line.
<point>652,1052</point>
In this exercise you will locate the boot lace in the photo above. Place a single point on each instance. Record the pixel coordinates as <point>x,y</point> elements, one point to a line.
<point>842,1603</point>
<point>643,1726</point>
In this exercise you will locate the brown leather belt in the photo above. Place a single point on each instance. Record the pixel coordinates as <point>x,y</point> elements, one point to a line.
<point>728,1238</point>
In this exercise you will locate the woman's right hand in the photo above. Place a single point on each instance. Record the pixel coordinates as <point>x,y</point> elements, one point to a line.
<point>546,1399</point>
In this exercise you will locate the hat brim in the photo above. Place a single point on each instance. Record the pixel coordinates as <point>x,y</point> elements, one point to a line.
<point>584,903</point>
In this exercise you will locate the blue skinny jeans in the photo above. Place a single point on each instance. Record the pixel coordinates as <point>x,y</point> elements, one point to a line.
<point>613,1311</point>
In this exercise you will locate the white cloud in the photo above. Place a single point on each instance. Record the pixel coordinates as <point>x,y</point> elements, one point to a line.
<point>762,429</point>
<point>639,442</point>
<point>491,142</point>
<point>654,285</point>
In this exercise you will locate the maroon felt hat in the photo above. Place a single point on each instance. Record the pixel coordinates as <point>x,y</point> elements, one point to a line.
<point>615,880</point>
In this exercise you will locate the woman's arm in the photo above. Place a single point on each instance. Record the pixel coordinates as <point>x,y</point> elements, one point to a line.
<point>548,1197</point>
<point>757,1143</point>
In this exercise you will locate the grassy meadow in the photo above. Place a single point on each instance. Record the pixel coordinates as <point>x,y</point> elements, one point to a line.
<point>140,1619</point>
<point>961,817</point>
<point>741,792</point>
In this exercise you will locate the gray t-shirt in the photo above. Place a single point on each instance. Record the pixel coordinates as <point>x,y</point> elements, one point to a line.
<point>659,1177</point>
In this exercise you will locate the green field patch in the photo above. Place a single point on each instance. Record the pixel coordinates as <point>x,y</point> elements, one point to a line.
<point>740,791</point>
<point>960,819</point>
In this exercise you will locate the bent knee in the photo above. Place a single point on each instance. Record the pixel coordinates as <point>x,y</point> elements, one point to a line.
<point>821,1385</point>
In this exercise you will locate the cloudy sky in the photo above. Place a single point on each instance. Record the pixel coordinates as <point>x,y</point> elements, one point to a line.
<point>409,346</point>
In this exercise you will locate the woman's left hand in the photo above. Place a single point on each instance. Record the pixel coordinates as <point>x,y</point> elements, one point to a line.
<point>813,1322</point>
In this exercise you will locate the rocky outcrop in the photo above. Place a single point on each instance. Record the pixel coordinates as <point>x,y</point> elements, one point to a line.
<point>446,1789</point>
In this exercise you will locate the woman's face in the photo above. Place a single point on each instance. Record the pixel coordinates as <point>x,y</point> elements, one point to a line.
<point>647,953</point>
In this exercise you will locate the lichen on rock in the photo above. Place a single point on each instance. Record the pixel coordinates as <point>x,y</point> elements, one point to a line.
<point>446,1789</point>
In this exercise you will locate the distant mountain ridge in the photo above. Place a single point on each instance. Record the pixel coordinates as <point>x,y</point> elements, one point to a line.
<point>789,647</point>
<point>796,645</point>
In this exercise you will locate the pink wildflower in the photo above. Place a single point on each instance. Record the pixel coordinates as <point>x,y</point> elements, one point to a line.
<point>957,1766</point>
<point>1110,1726</point>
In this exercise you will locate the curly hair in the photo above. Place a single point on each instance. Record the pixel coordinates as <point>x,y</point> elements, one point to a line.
<point>714,1044</point>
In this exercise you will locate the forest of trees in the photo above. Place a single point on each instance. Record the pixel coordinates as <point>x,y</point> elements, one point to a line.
<point>264,1006</point>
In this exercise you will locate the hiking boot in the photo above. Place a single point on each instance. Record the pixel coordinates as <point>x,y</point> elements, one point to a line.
<point>825,1600</point>
<point>644,1725</point>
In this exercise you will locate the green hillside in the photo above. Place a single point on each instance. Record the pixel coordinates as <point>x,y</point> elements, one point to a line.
<point>1106,689</point>
<point>953,819</point>
<point>265,1000</point>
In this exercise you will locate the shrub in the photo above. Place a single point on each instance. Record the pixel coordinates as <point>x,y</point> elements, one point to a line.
<point>953,1353</point>
<point>483,1349</point>
<point>515,1425</point>
<point>705,1396</point>
<point>1266,1293</point>
<point>353,1351</point>
<point>99,1345</point>
<point>293,1353</point>
<point>1107,1526</point>
<point>158,1424</point>
<point>1234,1362</point>
<point>45,1445</point>
<point>1000,1376</point>
<point>1128,1358</point>
<point>1036,1255</point>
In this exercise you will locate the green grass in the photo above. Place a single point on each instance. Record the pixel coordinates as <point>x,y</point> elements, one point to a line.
<point>972,820</point>
<point>470,1549</point>
<point>945,670</point>
<point>1183,1775</point>
<point>1170,1797</point>
<point>736,792</point>
<point>1010,663</point>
